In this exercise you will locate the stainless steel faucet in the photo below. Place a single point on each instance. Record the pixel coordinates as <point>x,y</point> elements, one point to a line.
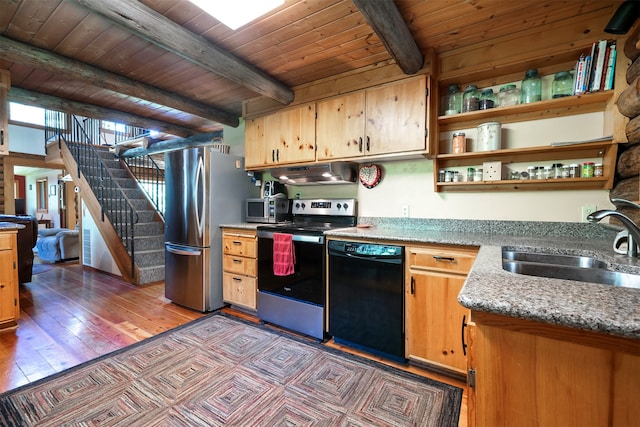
<point>633,240</point>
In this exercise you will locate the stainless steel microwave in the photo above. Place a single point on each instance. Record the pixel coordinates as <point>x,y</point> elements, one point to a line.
<point>268,210</point>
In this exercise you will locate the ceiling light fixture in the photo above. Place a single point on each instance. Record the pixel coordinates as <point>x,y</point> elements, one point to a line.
<point>624,17</point>
<point>236,13</point>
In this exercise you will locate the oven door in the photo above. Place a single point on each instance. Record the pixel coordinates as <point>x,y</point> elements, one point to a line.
<point>307,283</point>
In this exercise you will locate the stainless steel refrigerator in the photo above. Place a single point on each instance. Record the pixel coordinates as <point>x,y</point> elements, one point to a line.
<point>204,188</point>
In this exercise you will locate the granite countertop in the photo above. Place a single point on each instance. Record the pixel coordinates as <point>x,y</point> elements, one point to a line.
<point>244,225</point>
<point>6,226</point>
<point>489,288</point>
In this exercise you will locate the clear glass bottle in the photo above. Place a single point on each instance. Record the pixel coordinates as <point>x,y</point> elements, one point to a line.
<point>470,174</point>
<point>557,170</point>
<point>487,99</point>
<point>470,99</point>
<point>531,87</point>
<point>508,95</point>
<point>562,85</point>
<point>453,103</point>
<point>477,176</point>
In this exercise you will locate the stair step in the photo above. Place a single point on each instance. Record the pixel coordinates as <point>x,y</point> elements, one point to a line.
<point>148,243</point>
<point>148,229</point>
<point>150,258</point>
<point>150,274</point>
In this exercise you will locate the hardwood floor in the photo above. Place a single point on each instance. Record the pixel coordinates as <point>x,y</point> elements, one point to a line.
<point>71,314</point>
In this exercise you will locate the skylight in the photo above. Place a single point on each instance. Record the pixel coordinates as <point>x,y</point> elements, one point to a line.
<point>236,13</point>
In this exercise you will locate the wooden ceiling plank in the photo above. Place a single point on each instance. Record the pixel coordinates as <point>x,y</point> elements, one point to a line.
<point>20,52</point>
<point>30,17</point>
<point>150,25</point>
<point>27,97</point>
<point>58,25</point>
<point>384,17</point>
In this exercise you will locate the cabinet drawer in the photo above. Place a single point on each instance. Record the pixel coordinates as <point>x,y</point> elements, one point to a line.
<point>6,241</point>
<point>240,265</point>
<point>444,259</point>
<point>239,290</point>
<point>239,245</point>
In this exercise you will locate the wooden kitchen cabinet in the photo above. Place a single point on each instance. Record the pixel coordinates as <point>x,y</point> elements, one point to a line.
<point>435,321</point>
<point>389,119</point>
<point>5,85</point>
<point>284,137</point>
<point>530,374</point>
<point>240,267</point>
<point>9,300</point>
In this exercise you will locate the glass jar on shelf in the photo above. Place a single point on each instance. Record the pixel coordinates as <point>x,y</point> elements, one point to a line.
<point>508,95</point>
<point>557,170</point>
<point>562,85</point>
<point>470,99</point>
<point>453,104</point>
<point>531,87</point>
<point>487,99</point>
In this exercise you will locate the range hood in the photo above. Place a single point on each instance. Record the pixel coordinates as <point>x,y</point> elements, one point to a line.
<point>322,173</point>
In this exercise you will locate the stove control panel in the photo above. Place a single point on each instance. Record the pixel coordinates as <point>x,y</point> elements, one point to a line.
<point>339,207</point>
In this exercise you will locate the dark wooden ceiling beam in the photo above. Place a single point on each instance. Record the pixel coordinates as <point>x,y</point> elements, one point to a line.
<point>148,24</point>
<point>37,58</point>
<point>386,20</point>
<point>37,99</point>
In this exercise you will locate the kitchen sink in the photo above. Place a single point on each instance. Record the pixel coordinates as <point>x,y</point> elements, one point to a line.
<point>568,267</point>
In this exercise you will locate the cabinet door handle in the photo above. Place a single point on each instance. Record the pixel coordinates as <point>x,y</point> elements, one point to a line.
<point>237,242</point>
<point>464,325</point>
<point>1,136</point>
<point>237,261</point>
<point>360,144</point>
<point>237,279</point>
<point>444,258</point>
<point>278,154</point>
<point>413,285</point>
<point>368,143</point>
<point>273,155</point>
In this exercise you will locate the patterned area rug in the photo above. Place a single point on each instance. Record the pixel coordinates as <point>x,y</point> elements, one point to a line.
<point>220,371</point>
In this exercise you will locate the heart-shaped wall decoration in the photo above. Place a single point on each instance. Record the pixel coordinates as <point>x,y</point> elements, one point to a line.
<point>370,175</point>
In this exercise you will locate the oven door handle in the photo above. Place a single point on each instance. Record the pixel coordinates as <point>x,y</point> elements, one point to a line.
<point>296,237</point>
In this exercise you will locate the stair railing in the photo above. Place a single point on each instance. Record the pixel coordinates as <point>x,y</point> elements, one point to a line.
<point>113,201</point>
<point>150,179</point>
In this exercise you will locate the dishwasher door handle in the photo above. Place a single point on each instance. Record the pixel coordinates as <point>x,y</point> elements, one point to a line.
<point>374,258</point>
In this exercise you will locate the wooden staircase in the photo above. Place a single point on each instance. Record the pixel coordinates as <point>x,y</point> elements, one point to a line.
<point>139,250</point>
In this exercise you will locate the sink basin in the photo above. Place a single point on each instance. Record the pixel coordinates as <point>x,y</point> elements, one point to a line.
<point>555,259</point>
<point>567,267</point>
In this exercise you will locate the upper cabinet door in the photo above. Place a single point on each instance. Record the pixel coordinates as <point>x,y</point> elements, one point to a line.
<point>396,117</point>
<point>291,135</point>
<point>340,127</point>
<point>254,143</point>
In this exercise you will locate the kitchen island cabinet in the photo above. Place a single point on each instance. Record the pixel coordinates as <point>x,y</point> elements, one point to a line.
<point>9,306</point>
<point>527,373</point>
<point>435,321</point>
<point>240,267</point>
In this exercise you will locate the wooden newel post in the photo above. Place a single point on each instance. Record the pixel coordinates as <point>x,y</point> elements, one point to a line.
<point>5,85</point>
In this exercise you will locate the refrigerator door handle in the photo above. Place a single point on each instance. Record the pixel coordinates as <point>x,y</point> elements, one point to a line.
<point>201,194</point>
<point>188,252</point>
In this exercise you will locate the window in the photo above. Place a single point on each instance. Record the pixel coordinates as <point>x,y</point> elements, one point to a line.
<point>113,126</point>
<point>42,196</point>
<point>26,114</point>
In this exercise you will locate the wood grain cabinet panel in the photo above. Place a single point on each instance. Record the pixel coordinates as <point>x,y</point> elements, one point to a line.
<point>283,137</point>
<point>9,308</point>
<point>435,321</point>
<point>531,374</point>
<point>390,119</point>
<point>240,266</point>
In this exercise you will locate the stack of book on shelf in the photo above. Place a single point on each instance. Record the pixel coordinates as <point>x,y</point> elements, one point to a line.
<point>595,71</point>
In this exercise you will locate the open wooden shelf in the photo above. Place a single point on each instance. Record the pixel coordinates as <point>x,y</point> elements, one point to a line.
<point>599,183</point>
<point>550,108</point>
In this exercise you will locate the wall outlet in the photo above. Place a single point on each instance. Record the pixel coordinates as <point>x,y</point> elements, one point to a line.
<point>586,210</point>
<point>405,211</point>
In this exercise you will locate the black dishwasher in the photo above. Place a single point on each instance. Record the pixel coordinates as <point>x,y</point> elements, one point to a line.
<point>366,296</point>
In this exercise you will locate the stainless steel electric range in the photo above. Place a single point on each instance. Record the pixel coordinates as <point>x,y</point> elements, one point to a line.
<point>297,301</point>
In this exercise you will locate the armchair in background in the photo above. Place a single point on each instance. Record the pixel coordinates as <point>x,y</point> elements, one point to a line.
<point>58,244</point>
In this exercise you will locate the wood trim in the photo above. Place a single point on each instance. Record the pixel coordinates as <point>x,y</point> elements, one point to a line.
<point>558,332</point>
